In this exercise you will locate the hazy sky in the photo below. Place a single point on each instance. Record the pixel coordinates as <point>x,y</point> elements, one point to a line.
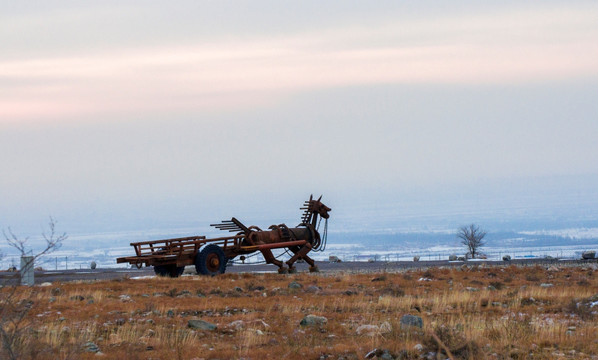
<point>132,111</point>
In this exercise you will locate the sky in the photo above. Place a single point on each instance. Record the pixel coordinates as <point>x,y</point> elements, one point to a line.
<point>137,114</point>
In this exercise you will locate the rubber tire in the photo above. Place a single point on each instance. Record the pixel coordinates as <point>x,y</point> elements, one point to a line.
<point>169,270</point>
<point>161,270</point>
<point>205,255</point>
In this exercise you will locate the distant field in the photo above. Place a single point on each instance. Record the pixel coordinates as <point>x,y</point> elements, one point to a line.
<point>468,312</point>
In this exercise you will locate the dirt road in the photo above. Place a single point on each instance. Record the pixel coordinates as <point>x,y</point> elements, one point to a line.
<point>116,273</point>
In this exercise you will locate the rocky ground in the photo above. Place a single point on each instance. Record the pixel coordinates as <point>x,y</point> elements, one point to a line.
<point>469,311</point>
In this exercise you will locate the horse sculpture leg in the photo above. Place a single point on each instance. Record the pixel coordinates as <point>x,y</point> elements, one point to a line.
<point>301,253</point>
<point>270,259</point>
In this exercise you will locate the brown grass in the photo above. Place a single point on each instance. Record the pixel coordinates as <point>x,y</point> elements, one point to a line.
<point>519,319</point>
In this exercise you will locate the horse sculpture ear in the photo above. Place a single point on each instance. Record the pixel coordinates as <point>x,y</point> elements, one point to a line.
<point>320,198</point>
<point>311,197</point>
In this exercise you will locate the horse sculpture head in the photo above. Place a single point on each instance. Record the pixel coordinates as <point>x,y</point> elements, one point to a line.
<point>315,207</point>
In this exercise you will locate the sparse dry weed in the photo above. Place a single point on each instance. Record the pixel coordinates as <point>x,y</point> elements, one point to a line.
<point>473,312</point>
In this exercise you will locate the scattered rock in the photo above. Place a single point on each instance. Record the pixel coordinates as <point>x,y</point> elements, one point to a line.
<point>453,257</point>
<point>379,278</point>
<point>120,322</point>
<point>472,289</point>
<point>393,290</point>
<point>91,347</point>
<point>491,287</point>
<point>237,325</point>
<point>183,294</point>
<point>295,285</point>
<point>77,297</point>
<point>350,292</point>
<point>408,321</point>
<point>45,284</point>
<point>125,298</point>
<point>238,289</point>
<point>506,258</point>
<point>93,265</point>
<point>56,291</point>
<point>201,325</point>
<point>313,320</point>
<point>418,347</point>
<point>313,289</point>
<point>379,354</point>
<point>546,285</point>
<point>369,330</point>
<point>528,301</point>
<point>552,268</point>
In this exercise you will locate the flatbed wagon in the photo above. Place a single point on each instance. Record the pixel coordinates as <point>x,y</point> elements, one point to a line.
<point>210,256</point>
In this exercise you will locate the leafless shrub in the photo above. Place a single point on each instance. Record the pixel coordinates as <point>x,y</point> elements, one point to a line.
<point>472,237</point>
<point>15,332</point>
<point>452,343</point>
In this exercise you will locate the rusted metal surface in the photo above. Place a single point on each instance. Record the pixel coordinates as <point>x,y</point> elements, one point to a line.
<point>170,256</point>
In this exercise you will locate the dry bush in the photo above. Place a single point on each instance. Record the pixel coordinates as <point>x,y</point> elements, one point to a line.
<point>453,340</point>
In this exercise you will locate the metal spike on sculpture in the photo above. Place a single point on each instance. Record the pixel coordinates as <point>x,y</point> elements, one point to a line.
<point>210,256</point>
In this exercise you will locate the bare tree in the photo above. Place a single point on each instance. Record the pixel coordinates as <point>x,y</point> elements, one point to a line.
<point>14,305</point>
<point>472,237</point>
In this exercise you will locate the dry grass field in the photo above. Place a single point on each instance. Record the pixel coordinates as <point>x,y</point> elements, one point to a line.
<point>470,312</point>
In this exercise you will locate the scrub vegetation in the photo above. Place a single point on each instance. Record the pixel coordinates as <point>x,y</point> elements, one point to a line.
<point>472,312</point>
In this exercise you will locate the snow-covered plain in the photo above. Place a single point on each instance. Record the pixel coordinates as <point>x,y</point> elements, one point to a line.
<point>78,251</point>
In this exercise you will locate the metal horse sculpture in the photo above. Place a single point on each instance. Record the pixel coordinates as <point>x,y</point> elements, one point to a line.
<point>300,240</point>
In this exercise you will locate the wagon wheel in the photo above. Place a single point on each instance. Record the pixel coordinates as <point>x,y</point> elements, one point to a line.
<point>170,270</point>
<point>210,260</point>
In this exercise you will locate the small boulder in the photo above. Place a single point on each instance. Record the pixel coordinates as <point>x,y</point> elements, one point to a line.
<point>379,354</point>
<point>588,255</point>
<point>237,325</point>
<point>506,258</point>
<point>93,265</point>
<point>312,289</point>
<point>408,321</point>
<point>369,330</point>
<point>91,347</point>
<point>546,285</point>
<point>313,320</point>
<point>293,285</point>
<point>453,257</point>
<point>416,258</point>
<point>201,325</point>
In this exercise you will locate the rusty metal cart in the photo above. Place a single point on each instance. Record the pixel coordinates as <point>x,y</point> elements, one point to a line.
<point>210,256</point>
